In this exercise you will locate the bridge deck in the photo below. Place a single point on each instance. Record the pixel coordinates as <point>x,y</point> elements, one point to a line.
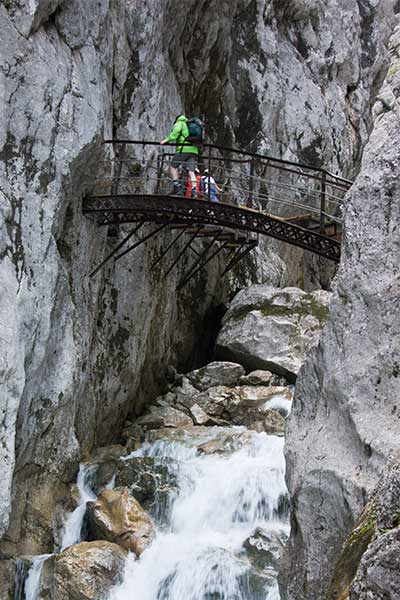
<point>291,202</point>
<point>174,211</point>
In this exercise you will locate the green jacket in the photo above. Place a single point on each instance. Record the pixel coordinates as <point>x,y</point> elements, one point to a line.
<point>179,135</point>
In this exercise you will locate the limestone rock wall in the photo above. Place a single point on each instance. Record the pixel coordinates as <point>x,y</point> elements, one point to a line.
<point>345,420</point>
<point>78,354</point>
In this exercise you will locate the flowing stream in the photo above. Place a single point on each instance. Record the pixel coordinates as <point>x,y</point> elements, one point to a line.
<point>28,588</point>
<point>32,583</point>
<point>222,500</point>
<point>73,524</point>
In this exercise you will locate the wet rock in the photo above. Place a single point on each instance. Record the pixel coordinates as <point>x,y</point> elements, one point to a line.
<point>189,436</point>
<point>241,405</point>
<point>215,374</point>
<point>199,416</point>
<point>105,460</point>
<point>85,571</point>
<point>272,424</point>
<point>264,549</point>
<point>105,453</point>
<point>225,443</point>
<point>117,517</point>
<point>260,377</point>
<point>273,329</point>
<point>152,481</point>
<point>168,417</point>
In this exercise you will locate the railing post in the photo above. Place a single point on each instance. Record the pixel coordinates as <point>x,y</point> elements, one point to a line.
<point>209,174</point>
<point>249,202</point>
<point>323,203</point>
<point>117,175</point>
<point>160,171</point>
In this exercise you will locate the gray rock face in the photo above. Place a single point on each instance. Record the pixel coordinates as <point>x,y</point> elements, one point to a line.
<point>378,575</point>
<point>345,418</point>
<point>76,354</point>
<point>269,328</point>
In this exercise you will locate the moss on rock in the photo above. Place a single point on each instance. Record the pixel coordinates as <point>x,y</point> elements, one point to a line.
<point>352,552</point>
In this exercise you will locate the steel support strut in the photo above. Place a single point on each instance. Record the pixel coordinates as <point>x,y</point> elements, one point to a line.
<point>164,252</point>
<point>202,255</point>
<point>193,273</point>
<point>146,237</point>
<point>109,256</point>
<point>186,246</point>
<point>237,258</point>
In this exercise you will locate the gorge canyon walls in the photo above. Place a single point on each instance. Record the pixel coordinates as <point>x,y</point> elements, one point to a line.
<point>79,354</point>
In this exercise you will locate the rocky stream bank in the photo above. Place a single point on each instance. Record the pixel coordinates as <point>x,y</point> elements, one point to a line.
<point>193,500</point>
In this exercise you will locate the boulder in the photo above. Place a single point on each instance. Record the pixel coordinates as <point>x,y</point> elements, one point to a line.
<point>117,517</point>
<point>163,415</point>
<point>241,405</point>
<point>170,417</point>
<point>272,424</point>
<point>216,373</point>
<point>273,329</point>
<point>198,415</point>
<point>85,571</point>
<point>264,378</point>
<point>225,442</point>
<point>264,549</point>
<point>152,481</point>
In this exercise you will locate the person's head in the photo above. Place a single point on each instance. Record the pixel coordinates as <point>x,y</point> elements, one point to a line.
<point>206,171</point>
<point>197,171</point>
<point>178,117</point>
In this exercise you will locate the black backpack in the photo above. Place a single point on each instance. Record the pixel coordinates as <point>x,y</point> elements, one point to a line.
<point>196,131</point>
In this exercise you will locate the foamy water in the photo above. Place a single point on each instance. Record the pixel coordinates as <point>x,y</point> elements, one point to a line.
<point>221,501</point>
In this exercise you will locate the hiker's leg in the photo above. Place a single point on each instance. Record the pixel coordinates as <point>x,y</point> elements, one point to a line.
<point>174,173</point>
<point>193,179</point>
<point>173,169</point>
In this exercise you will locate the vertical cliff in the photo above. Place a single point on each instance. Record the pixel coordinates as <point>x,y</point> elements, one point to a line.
<point>345,421</point>
<point>79,354</point>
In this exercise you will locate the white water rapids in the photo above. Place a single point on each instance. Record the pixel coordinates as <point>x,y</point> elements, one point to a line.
<point>222,500</point>
<point>71,533</point>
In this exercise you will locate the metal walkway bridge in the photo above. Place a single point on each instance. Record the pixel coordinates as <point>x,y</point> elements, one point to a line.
<point>288,201</point>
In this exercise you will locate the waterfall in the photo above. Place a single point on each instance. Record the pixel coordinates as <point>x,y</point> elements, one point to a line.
<point>32,583</point>
<point>222,500</point>
<point>20,577</point>
<point>73,524</point>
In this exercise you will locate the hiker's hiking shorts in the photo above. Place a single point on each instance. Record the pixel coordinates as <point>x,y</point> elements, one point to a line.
<point>188,160</point>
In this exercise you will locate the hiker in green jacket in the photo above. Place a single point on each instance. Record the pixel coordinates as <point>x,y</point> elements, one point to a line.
<point>185,155</point>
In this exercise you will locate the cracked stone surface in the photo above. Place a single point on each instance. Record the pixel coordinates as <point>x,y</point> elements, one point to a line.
<point>345,421</point>
<point>78,354</point>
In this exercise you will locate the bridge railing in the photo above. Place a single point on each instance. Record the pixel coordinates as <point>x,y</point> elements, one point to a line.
<point>286,189</point>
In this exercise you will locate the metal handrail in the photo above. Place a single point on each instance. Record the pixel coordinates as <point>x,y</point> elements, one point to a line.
<point>346,182</point>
